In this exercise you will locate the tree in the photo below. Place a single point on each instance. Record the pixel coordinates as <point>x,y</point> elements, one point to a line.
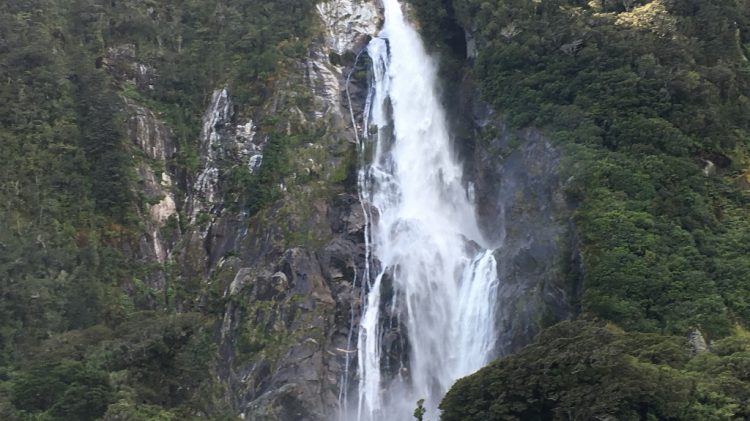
<point>63,390</point>
<point>420,410</point>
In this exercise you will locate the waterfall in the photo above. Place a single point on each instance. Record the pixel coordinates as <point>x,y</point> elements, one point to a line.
<point>430,284</point>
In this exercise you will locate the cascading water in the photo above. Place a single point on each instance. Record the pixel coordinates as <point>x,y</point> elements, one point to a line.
<point>433,278</point>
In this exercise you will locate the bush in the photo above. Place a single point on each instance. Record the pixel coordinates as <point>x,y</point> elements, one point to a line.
<point>63,390</point>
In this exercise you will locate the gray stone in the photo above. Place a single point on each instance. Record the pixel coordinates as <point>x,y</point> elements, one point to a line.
<point>697,342</point>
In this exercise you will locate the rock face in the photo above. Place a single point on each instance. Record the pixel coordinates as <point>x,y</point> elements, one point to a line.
<point>284,337</point>
<point>153,147</point>
<point>226,139</point>
<point>525,214</point>
<point>158,207</point>
<point>284,334</point>
<point>349,24</point>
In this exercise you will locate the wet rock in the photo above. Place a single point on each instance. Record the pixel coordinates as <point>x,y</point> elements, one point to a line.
<point>243,278</point>
<point>525,215</point>
<point>349,25</point>
<point>305,303</point>
<point>709,170</point>
<point>145,77</point>
<point>347,216</point>
<point>120,61</point>
<point>304,274</point>
<point>471,46</point>
<point>282,404</point>
<point>299,298</point>
<point>217,127</point>
<point>284,338</point>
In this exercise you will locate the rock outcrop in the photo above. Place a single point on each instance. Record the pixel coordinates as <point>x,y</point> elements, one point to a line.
<point>697,342</point>
<point>153,147</point>
<point>226,140</point>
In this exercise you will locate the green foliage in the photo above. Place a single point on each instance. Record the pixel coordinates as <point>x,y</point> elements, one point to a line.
<point>580,370</point>
<point>199,45</point>
<point>151,367</point>
<point>102,142</point>
<point>63,390</point>
<point>129,411</point>
<point>420,410</point>
<point>64,190</point>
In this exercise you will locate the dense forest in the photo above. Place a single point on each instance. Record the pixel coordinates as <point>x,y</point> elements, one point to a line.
<point>647,99</point>
<point>80,336</point>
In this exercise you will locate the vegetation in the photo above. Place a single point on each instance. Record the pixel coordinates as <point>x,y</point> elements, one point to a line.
<point>150,365</point>
<point>74,342</point>
<point>581,370</point>
<point>642,97</point>
<point>420,410</point>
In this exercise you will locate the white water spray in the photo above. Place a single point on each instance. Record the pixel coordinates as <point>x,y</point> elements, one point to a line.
<point>436,286</point>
